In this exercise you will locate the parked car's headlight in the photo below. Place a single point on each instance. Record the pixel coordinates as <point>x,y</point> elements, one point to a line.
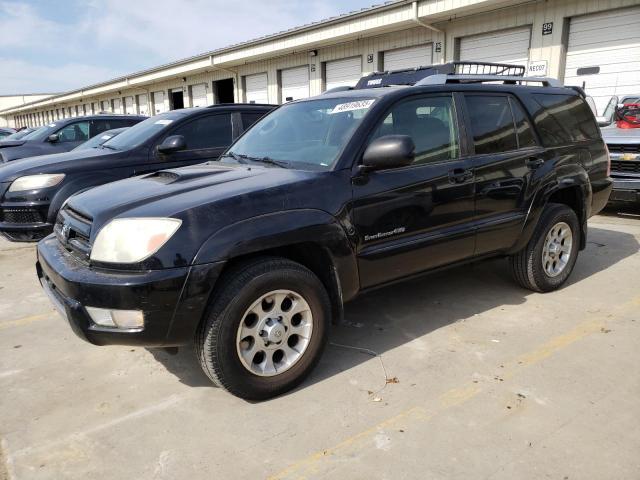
<point>35,182</point>
<point>131,240</point>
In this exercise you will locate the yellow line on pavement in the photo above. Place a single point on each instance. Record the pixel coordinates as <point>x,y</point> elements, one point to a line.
<point>449,399</point>
<point>25,321</point>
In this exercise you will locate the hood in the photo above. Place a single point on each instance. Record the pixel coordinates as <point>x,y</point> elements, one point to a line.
<point>621,136</point>
<point>56,163</point>
<point>169,192</point>
<point>12,143</point>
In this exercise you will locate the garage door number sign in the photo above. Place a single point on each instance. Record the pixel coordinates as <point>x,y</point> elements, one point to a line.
<point>547,28</point>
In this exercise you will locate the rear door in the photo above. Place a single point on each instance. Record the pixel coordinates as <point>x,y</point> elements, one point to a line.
<point>206,136</point>
<point>506,154</point>
<point>418,217</point>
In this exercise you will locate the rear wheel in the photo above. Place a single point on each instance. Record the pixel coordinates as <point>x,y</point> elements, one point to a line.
<point>548,259</point>
<point>266,329</point>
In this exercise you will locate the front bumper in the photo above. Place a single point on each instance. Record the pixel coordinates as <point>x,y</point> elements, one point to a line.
<point>625,190</point>
<point>23,218</point>
<point>173,300</point>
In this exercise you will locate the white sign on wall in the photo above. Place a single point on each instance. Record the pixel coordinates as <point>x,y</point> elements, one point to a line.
<point>537,69</point>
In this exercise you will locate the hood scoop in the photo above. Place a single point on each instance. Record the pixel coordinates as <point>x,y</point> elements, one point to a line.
<point>167,177</point>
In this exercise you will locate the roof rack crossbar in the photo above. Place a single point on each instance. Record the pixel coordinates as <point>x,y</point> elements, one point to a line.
<point>442,79</point>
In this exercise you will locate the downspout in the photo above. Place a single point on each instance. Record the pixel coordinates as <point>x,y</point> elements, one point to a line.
<point>416,19</point>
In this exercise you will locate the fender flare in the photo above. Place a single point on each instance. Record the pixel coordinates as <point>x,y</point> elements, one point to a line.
<point>284,229</point>
<point>566,177</point>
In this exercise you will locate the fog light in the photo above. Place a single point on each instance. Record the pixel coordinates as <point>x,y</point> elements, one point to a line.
<point>123,319</point>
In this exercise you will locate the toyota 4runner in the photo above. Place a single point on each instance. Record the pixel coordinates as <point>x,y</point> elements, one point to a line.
<point>251,257</point>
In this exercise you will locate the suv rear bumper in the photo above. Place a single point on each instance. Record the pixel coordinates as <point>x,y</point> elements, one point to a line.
<point>173,300</point>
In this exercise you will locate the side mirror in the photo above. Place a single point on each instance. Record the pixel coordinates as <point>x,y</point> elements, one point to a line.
<point>53,138</point>
<point>603,121</point>
<point>172,144</point>
<point>390,151</point>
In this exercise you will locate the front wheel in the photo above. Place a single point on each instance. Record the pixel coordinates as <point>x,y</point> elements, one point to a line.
<point>548,259</point>
<point>266,328</point>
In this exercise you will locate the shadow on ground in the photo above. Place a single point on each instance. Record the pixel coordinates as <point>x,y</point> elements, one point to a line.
<point>388,317</point>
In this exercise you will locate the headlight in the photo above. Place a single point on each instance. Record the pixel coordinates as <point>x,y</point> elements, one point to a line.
<point>36,182</point>
<point>131,240</point>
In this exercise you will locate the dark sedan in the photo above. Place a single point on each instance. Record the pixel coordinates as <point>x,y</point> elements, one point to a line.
<point>63,135</point>
<point>33,190</point>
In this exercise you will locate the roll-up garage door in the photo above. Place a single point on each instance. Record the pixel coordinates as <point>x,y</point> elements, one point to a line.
<point>143,105</point>
<point>504,46</point>
<point>256,88</point>
<point>199,95</point>
<point>604,54</point>
<point>341,73</point>
<point>105,106</point>
<point>158,102</point>
<point>128,106</point>
<point>117,105</point>
<point>411,57</point>
<point>295,83</point>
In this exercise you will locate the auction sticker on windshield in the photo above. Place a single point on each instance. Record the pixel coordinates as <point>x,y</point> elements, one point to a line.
<point>347,107</point>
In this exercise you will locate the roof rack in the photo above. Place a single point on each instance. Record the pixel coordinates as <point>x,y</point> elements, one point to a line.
<point>509,80</point>
<point>454,72</point>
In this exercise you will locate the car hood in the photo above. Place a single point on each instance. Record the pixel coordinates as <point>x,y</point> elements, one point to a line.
<point>181,191</point>
<point>12,143</point>
<point>55,163</point>
<point>624,136</point>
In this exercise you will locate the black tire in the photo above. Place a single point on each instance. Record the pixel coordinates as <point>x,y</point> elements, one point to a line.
<point>527,265</point>
<point>215,341</point>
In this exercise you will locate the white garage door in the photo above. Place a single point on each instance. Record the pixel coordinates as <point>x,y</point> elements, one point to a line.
<point>604,54</point>
<point>117,105</point>
<point>158,102</point>
<point>128,106</point>
<point>143,105</point>
<point>505,46</point>
<point>341,73</point>
<point>295,83</point>
<point>199,95</point>
<point>411,57</point>
<point>256,88</point>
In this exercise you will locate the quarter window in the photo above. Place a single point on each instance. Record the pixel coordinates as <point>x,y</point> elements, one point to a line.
<point>75,132</point>
<point>430,122</point>
<point>206,132</point>
<point>491,124</point>
<point>564,118</point>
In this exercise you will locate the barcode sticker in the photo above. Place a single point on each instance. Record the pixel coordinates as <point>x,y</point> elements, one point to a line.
<point>347,107</point>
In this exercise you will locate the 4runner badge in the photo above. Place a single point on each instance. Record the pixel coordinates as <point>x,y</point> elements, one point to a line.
<point>379,235</point>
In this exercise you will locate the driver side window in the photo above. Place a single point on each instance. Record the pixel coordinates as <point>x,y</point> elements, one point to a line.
<point>431,124</point>
<point>206,132</point>
<point>74,132</point>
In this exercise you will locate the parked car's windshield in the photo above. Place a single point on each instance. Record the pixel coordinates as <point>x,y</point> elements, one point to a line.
<point>36,133</point>
<point>311,132</point>
<point>19,135</point>
<point>98,140</point>
<point>141,132</point>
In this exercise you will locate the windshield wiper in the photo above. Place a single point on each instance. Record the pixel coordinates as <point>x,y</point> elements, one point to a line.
<point>269,161</point>
<point>238,158</point>
<point>109,147</point>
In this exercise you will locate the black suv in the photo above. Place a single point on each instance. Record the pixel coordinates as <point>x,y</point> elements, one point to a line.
<point>33,189</point>
<point>253,256</point>
<point>63,135</point>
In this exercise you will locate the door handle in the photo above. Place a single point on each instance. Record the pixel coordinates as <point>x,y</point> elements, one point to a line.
<point>460,175</point>
<point>534,162</point>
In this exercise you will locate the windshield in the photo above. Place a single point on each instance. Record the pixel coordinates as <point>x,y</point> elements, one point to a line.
<point>17,135</point>
<point>311,132</point>
<point>141,132</point>
<point>98,140</point>
<point>36,133</point>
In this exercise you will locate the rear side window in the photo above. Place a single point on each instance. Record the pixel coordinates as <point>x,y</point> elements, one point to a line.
<point>564,119</point>
<point>526,138</point>
<point>206,132</point>
<point>249,118</point>
<point>491,124</point>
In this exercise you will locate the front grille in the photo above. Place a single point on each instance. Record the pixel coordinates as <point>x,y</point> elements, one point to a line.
<point>73,230</point>
<point>22,215</point>
<point>625,166</point>
<point>621,148</point>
